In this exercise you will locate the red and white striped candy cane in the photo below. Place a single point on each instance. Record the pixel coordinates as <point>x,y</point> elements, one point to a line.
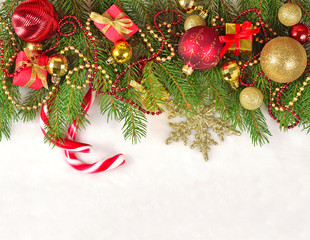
<point>71,147</point>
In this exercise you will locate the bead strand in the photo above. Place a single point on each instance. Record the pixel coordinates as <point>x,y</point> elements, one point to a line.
<point>171,49</point>
<point>23,107</point>
<point>76,69</point>
<point>87,33</point>
<point>250,62</point>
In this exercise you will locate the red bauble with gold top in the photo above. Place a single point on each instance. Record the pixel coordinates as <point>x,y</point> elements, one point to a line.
<point>199,48</point>
<point>35,21</point>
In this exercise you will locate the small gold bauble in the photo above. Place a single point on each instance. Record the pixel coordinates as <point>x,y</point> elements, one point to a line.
<point>251,98</point>
<point>283,59</point>
<point>289,14</point>
<point>188,5</point>
<point>57,65</point>
<point>193,21</point>
<point>122,52</point>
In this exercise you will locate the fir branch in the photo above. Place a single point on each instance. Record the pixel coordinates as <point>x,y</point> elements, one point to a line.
<point>134,124</point>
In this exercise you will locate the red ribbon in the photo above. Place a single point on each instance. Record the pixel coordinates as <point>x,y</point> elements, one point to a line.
<point>243,31</point>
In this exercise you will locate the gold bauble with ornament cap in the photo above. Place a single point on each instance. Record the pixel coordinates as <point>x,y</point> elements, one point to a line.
<point>57,66</point>
<point>231,73</point>
<point>251,98</point>
<point>193,21</point>
<point>289,14</point>
<point>122,52</point>
<point>283,59</point>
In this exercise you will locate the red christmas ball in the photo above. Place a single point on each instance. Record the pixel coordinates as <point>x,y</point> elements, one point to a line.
<point>199,48</point>
<point>35,20</point>
<point>300,32</point>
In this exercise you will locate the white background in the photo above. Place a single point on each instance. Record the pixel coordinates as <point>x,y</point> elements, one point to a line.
<point>162,192</point>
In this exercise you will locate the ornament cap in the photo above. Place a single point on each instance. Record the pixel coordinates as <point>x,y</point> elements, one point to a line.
<point>110,61</point>
<point>187,70</point>
<point>203,14</point>
<point>56,80</point>
<point>34,46</point>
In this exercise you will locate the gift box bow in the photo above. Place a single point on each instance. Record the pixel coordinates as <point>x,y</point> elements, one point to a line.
<point>120,24</point>
<point>243,31</point>
<point>38,71</point>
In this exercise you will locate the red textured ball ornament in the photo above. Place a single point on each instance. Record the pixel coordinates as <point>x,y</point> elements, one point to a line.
<point>199,48</point>
<point>35,20</point>
<point>300,32</point>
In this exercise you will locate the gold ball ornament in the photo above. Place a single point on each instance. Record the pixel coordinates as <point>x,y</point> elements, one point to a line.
<point>57,65</point>
<point>122,52</point>
<point>188,5</point>
<point>231,73</point>
<point>194,21</point>
<point>283,59</point>
<point>251,98</point>
<point>289,14</point>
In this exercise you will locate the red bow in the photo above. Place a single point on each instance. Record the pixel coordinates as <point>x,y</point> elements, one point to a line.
<point>242,32</point>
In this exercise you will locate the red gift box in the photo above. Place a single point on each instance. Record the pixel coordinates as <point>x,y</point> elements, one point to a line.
<point>115,24</point>
<point>34,75</point>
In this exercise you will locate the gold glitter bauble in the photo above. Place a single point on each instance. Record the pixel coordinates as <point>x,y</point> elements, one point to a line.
<point>57,65</point>
<point>289,14</point>
<point>193,21</point>
<point>251,98</point>
<point>231,73</point>
<point>188,5</point>
<point>122,52</point>
<point>283,59</point>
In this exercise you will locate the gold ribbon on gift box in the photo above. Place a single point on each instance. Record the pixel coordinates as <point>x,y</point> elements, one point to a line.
<point>119,24</point>
<point>37,70</point>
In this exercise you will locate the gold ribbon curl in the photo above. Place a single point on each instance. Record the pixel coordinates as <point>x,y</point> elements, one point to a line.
<point>120,25</point>
<point>37,70</point>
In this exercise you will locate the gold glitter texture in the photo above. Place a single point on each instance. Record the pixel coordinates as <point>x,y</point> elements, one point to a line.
<point>251,98</point>
<point>289,14</point>
<point>194,21</point>
<point>283,59</point>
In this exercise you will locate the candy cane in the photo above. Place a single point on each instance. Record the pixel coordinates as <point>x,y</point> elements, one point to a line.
<point>71,147</point>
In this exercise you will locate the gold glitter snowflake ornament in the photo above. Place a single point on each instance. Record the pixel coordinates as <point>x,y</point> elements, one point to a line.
<point>201,122</point>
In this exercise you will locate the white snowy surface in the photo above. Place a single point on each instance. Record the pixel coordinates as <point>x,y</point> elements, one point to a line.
<point>162,192</point>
